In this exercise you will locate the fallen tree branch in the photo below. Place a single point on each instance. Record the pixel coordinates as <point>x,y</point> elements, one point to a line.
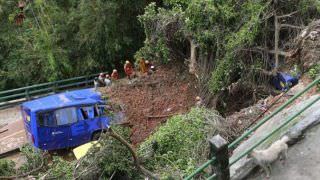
<point>291,26</point>
<point>283,53</point>
<point>136,161</point>
<point>287,15</point>
<point>25,174</point>
<point>161,116</point>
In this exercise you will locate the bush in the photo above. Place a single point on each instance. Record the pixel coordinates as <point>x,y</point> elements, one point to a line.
<point>314,71</point>
<point>109,156</point>
<point>59,169</point>
<point>178,147</point>
<point>34,159</point>
<point>6,167</point>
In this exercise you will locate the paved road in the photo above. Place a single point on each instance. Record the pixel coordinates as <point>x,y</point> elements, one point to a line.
<point>10,115</point>
<point>303,161</point>
<point>12,136</point>
<point>12,133</point>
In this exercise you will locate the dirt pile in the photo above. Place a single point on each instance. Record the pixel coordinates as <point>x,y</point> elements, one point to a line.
<point>150,99</point>
<point>306,52</point>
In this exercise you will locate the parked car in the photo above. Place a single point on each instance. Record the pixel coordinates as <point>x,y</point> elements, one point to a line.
<point>65,120</point>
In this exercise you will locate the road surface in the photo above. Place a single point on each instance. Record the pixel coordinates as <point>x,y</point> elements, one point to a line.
<point>12,133</point>
<point>303,161</point>
<point>9,115</point>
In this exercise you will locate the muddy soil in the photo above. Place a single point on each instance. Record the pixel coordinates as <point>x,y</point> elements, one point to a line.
<point>149,100</point>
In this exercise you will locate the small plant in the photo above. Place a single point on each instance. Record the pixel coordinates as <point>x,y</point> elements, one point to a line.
<point>6,167</point>
<point>59,169</point>
<point>314,71</point>
<point>34,158</point>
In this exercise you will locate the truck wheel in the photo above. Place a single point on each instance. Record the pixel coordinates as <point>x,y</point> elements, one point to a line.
<point>96,136</point>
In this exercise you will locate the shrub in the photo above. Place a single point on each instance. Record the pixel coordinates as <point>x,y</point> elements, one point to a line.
<point>178,147</point>
<point>109,156</point>
<point>6,167</point>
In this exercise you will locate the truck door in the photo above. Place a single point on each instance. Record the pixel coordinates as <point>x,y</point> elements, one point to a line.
<point>53,130</point>
<point>79,130</point>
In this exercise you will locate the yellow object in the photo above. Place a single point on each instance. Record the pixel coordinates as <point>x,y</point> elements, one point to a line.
<point>282,84</point>
<point>82,150</point>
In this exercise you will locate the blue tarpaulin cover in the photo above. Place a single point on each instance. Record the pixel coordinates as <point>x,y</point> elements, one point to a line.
<point>66,99</point>
<point>284,81</point>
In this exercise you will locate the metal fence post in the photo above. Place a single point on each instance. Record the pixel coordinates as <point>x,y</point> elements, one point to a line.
<point>87,79</point>
<point>219,149</point>
<point>27,94</point>
<point>55,87</point>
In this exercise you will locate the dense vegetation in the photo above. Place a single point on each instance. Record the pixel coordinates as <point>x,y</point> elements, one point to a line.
<point>231,41</point>
<point>227,44</point>
<point>65,38</point>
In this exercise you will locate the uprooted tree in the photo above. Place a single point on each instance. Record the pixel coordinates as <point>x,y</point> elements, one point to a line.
<point>225,42</point>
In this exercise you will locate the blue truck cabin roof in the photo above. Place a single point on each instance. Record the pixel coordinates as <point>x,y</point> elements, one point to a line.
<point>67,99</point>
<point>65,120</point>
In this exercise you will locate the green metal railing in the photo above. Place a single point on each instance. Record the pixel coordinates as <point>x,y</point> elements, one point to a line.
<point>201,168</point>
<point>7,97</point>
<point>287,121</point>
<point>263,121</point>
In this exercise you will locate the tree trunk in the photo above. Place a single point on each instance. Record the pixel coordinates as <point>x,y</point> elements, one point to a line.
<point>193,56</point>
<point>276,43</point>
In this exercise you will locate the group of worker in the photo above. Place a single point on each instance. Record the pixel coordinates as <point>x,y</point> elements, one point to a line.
<point>106,80</point>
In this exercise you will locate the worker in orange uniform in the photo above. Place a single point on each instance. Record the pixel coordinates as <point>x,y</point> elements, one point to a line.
<point>115,75</point>
<point>142,64</point>
<point>128,69</point>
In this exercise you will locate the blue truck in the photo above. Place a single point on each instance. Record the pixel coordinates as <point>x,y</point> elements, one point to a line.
<point>65,120</point>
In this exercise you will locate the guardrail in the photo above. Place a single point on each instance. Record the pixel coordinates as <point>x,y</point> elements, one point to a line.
<point>213,158</point>
<point>12,96</point>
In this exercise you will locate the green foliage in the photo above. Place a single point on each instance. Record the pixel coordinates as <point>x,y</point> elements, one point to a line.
<point>117,157</point>
<point>61,39</point>
<point>221,30</point>
<point>314,71</point>
<point>6,167</point>
<point>34,158</point>
<point>183,3</point>
<point>107,157</point>
<point>176,148</point>
<point>235,40</point>
<point>223,26</point>
<point>154,21</point>
<point>59,169</point>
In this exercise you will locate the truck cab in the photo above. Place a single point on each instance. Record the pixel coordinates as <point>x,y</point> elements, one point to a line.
<point>65,120</point>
